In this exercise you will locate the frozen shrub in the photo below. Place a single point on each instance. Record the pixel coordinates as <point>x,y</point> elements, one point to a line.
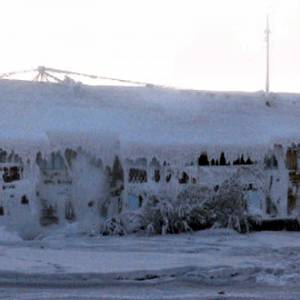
<point>127,222</point>
<point>113,226</point>
<point>230,206</point>
<point>187,212</point>
<point>192,207</point>
<point>132,222</point>
<point>195,208</point>
<point>198,207</point>
<point>157,214</point>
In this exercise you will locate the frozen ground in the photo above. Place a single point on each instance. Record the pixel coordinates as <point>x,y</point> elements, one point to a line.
<point>210,264</point>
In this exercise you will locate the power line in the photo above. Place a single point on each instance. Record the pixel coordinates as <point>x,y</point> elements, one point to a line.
<point>45,74</point>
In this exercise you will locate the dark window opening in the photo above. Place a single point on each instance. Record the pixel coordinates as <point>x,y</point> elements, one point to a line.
<point>184,178</point>
<point>274,161</point>
<point>91,204</point>
<point>24,200</point>
<point>236,162</point>
<point>140,200</point>
<point>203,160</point>
<point>168,177</point>
<point>143,176</point>
<point>291,159</point>
<point>131,175</point>
<point>249,161</point>
<point>11,174</point>
<point>136,175</point>
<point>242,161</point>
<point>216,188</point>
<point>1,211</point>
<point>222,159</point>
<point>156,175</point>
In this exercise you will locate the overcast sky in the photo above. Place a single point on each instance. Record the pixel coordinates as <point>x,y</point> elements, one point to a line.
<point>202,44</point>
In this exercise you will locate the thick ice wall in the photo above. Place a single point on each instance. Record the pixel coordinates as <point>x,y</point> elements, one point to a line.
<point>89,191</point>
<point>72,188</point>
<point>19,206</point>
<point>293,167</point>
<point>264,183</point>
<point>102,145</point>
<point>142,122</point>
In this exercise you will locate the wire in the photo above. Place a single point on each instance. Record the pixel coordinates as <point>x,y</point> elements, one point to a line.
<point>43,72</point>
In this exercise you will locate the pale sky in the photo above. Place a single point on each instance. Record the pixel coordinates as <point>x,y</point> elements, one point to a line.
<point>201,44</point>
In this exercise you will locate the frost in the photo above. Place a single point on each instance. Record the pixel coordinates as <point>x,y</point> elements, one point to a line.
<point>195,208</point>
<point>119,160</point>
<point>230,206</point>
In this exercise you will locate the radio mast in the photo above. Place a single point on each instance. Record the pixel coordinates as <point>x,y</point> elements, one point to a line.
<point>267,36</point>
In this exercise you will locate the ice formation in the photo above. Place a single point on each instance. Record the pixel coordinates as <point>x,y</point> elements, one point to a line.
<point>83,154</point>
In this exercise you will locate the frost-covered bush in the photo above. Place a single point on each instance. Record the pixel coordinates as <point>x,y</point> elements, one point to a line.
<point>113,226</point>
<point>192,207</point>
<point>195,208</point>
<point>159,215</point>
<point>162,214</point>
<point>230,206</point>
<point>125,223</point>
<point>198,207</point>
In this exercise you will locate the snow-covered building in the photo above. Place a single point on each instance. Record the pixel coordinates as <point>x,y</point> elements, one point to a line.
<point>86,153</point>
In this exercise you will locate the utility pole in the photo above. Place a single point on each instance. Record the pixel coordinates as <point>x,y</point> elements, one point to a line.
<point>267,36</point>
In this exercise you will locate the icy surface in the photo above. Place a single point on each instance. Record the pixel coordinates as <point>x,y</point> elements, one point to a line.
<point>212,264</point>
<point>161,119</point>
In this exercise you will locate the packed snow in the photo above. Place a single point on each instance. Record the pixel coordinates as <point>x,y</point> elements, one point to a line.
<point>211,264</point>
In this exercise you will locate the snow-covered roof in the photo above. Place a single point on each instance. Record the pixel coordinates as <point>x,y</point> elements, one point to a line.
<point>146,119</point>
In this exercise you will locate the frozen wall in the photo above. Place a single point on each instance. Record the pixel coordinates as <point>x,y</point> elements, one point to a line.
<point>90,153</point>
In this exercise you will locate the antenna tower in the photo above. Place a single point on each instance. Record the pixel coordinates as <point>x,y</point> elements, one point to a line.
<point>267,35</point>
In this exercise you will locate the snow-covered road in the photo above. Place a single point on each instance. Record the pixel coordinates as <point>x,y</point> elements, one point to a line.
<point>212,264</point>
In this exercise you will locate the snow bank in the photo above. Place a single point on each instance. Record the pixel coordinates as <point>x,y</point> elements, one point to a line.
<point>8,235</point>
<point>148,119</point>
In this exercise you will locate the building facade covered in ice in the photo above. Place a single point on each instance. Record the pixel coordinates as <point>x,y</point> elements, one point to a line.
<point>85,153</point>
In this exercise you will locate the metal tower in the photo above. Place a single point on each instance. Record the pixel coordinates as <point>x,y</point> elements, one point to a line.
<point>267,36</point>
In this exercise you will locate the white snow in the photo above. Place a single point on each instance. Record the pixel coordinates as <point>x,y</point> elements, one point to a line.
<point>263,265</point>
<point>145,119</point>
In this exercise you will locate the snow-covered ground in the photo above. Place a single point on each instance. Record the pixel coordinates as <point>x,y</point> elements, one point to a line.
<point>211,264</point>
